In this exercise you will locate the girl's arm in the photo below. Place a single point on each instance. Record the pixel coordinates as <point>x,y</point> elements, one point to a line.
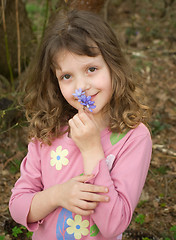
<point>29,203</point>
<point>125,181</point>
<point>75,195</point>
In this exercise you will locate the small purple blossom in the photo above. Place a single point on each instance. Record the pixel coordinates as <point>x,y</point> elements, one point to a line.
<point>78,93</point>
<point>84,100</point>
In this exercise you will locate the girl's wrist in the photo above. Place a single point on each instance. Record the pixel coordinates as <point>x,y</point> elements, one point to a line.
<point>91,158</point>
<point>55,196</point>
<point>92,154</point>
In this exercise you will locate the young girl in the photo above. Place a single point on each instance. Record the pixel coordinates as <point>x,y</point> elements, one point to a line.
<point>89,149</point>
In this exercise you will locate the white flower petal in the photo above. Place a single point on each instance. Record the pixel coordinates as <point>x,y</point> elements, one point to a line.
<point>53,154</point>
<point>58,165</point>
<point>70,230</point>
<point>84,224</point>
<point>58,150</point>
<point>52,162</point>
<point>70,222</point>
<point>84,231</point>
<point>64,161</point>
<point>77,235</point>
<point>64,152</point>
<point>78,219</point>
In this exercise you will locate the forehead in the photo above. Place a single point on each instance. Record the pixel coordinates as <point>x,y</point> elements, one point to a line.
<point>66,59</point>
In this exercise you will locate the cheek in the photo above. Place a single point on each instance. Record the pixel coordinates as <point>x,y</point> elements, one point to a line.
<point>65,90</point>
<point>106,82</point>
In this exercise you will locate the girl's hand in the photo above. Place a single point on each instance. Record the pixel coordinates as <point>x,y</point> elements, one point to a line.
<point>84,131</point>
<point>86,135</point>
<point>79,197</point>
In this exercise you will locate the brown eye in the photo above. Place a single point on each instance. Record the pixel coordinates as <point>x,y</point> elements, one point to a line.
<point>66,77</point>
<point>92,69</point>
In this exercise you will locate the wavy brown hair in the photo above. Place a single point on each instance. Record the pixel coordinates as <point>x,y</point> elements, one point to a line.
<point>46,109</point>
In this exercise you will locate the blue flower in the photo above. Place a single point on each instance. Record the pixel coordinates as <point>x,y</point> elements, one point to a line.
<point>84,100</point>
<point>78,93</point>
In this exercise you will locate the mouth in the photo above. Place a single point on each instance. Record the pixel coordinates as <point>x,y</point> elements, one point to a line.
<point>93,96</point>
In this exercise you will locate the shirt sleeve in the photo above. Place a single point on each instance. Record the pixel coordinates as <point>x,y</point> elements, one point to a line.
<point>125,182</point>
<point>26,187</point>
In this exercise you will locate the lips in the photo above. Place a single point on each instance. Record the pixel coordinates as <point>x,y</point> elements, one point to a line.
<point>93,96</point>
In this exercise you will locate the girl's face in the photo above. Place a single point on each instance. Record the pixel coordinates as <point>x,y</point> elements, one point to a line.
<point>91,74</point>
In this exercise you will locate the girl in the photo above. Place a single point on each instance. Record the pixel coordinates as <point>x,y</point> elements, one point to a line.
<point>84,172</point>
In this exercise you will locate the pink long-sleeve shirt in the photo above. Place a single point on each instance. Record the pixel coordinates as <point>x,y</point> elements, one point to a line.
<point>123,171</point>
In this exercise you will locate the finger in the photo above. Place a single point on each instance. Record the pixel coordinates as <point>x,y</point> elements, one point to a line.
<point>83,116</point>
<point>94,188</point>
<point>87,119</point>
<point>78,122</point>
<point>85,205</point>
<point>82,212</point>
<point>72,124</point>
<point>87,114</point>
<point>93,197</point>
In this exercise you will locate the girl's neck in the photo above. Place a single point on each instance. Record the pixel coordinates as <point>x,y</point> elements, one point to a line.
<point>102,121</point>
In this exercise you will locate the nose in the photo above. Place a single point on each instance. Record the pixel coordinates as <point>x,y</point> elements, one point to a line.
<point>83,83</point>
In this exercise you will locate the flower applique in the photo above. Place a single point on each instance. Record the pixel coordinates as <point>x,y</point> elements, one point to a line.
<point>72,227</point>
<point>109,161</point>
<point>77,227</point>
<point>84,100</point>
<point>58,158</point>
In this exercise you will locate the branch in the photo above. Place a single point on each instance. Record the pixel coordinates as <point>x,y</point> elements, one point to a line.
<point>45,18</point>
<point>6,44</point>
<point>162,149</point>
<point>17,155</point>
<point>18,38</point>
<point>106,9</point>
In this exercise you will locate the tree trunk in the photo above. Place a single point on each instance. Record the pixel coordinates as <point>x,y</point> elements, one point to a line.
<point>20,40</point>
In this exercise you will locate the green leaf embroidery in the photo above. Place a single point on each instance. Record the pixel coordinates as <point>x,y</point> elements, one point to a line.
<point>116,137</point>
<point>94,230</point>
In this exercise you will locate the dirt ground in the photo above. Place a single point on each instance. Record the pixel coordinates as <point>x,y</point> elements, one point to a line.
<point>148,34</point>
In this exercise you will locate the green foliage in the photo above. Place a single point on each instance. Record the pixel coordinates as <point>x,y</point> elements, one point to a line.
<point>163,205</point>
<point>173,233</point>
<point>141,203</point>
<point>19,230</point>
<point>146,238</point>
<point>36,11</point>
<point>29,234</point>
<point>2,237</point>
<point>16,231</point>
<point>162,170</point>
<point>32,8</point>
<point>131,31</point>
<point>140,218</point>
<point>158,125</point>
<point>173,230</point>
<point>15,166</point>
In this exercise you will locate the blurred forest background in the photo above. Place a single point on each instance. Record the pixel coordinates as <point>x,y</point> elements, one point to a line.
<point>147,31</point>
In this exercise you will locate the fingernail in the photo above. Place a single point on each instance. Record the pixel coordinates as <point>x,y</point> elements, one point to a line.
<point>106,189</point>
<point>107,198</point>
